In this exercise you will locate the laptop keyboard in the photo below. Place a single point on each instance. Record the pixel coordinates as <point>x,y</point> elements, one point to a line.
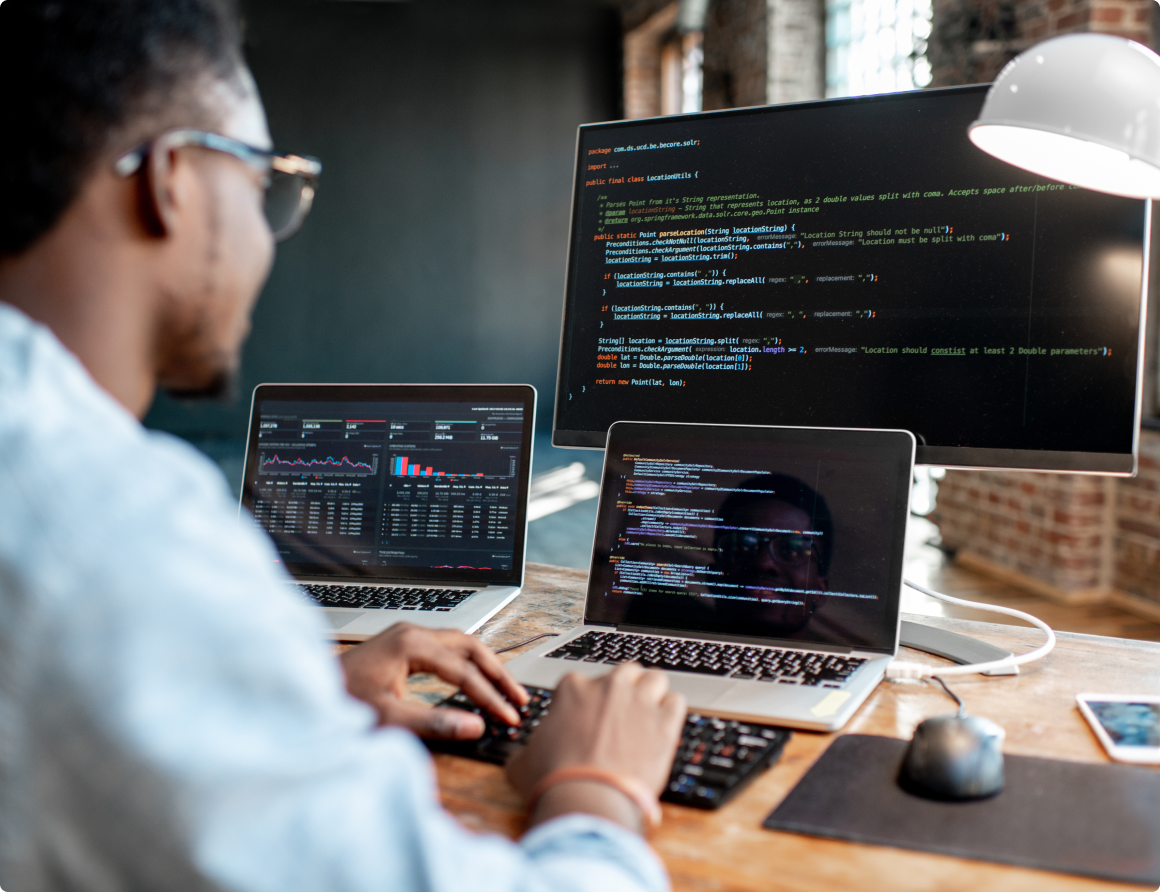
<point>384,598</point>
<point>711,658</point>
<point>716,758</point>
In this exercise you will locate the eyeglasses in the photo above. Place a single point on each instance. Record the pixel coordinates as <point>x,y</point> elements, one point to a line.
<point>785,548</point>
<point>291,180</point>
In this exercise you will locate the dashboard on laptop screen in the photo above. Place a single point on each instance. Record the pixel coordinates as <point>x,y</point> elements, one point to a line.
<point>766,534</point>
<point>401,487</point>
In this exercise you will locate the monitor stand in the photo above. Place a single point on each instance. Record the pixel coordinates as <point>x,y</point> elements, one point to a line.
<point>952,646</point>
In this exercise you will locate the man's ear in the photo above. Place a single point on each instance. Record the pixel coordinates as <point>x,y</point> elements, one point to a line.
<point>157,190</point>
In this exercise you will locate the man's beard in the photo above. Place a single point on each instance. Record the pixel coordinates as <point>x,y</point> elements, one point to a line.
<point>221,388</point>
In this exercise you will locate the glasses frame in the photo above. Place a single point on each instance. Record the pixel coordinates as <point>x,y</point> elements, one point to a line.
<point>262,160</point>
<point>765,544</point>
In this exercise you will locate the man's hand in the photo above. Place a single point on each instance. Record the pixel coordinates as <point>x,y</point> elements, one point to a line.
<point>627,722</point>
<point>377,672</point>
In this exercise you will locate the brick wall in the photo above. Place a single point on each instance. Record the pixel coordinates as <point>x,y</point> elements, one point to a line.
<point>755,52</point>
<point>735,54</point>
<point>972,40</point>
<point>1071,537</point>
<point>642,59</point>
<point>1046,527</point>
<point>1041,19</point>
<point>764,51</point>
<point>634,13</point>
<point>797,50</point>
<point>1137,527</point>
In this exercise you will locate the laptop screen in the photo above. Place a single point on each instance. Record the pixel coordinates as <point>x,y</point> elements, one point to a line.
<point>392,481</point>
<point>766,533</point>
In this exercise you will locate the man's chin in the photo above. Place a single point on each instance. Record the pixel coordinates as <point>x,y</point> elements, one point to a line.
<point>221,388</point>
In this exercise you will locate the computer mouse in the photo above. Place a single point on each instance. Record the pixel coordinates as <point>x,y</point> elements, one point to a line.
<point>954,758</point>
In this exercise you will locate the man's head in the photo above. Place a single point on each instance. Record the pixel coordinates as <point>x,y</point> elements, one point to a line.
<point>87,81</point>
<point>776,538</point>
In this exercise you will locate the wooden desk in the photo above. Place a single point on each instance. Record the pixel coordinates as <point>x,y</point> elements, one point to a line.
<point>728,849</point>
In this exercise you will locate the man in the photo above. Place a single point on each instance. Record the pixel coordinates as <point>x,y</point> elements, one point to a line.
<point>144,741</point>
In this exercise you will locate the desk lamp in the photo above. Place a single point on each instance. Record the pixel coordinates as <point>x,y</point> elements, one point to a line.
<point>1083,109</point>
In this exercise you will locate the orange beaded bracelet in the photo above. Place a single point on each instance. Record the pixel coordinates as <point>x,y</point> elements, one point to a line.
<point>634,790</point>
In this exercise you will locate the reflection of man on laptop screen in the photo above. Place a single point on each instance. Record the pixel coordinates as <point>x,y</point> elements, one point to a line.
<point>774,543</point>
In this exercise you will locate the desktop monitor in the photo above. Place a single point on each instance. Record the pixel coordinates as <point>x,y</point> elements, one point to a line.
<point>852,263</point>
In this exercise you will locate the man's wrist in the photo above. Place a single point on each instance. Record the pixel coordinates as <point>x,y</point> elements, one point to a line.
<point>588,797</point>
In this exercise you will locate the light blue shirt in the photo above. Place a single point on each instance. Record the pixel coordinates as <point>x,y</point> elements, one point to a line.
<point>171,716</point>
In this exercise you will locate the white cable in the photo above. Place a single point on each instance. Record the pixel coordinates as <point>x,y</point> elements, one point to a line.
<point>905,669</point>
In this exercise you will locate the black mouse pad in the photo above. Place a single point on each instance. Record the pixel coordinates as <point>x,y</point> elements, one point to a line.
<point>1094,820</point>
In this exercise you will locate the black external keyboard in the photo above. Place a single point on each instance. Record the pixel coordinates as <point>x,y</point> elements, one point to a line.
<point>711,658</point>
<point>385,598</point>
<point>716,757</point>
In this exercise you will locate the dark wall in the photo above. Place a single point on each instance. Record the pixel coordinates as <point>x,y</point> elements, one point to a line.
<point>436,247</point>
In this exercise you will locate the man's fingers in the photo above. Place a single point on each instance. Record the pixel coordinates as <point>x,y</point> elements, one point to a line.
<point>480,690</point>
<point>571,684</point>
<point>626,673</point>
<point>448,724</point>
<point>654,685</point>
<point>463,673</point>
<point>496,671</point>
<point>674,709</point>
<point>489,664</point>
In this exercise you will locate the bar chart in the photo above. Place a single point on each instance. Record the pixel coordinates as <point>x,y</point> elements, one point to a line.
<point>403,466</point>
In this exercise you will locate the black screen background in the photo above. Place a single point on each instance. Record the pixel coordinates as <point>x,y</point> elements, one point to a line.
<point>1067,276</point>
<point>863,476</point>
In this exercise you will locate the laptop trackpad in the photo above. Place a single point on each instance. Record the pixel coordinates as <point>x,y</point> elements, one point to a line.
<point>340,618</point>
<point>700,691</point>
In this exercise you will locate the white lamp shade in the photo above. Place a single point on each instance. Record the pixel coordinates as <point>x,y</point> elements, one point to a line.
<point>1083,109</point>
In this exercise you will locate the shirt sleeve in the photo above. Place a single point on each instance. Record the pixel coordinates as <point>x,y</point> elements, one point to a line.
<point>395,836</point>
<point>601,852</point>
<point>188,726</point>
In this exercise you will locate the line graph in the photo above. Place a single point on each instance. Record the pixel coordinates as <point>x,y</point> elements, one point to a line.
<point>344,465</point>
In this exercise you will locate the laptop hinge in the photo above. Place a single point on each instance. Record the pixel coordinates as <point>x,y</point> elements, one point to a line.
<point>736,639</point>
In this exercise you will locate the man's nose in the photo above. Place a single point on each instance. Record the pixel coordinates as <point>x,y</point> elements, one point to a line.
<point>766,561</point>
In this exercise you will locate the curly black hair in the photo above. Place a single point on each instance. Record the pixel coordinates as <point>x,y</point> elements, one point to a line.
<point>793,492</point>
<point>78,74</point>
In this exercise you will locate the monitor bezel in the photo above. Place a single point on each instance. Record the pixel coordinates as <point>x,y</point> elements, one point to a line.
<point>1119,464</point>
<point>515,393</point>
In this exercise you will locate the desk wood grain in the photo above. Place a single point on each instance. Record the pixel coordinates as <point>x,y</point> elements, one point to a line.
<point>728,850</point>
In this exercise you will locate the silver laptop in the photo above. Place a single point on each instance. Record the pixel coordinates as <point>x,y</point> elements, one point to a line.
<point>759,567</point>
<point>391,502</point>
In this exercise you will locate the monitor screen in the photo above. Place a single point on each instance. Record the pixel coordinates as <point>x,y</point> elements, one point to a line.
<point>853,262</point>
<point>757,533</point>
<point>349,481</point>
